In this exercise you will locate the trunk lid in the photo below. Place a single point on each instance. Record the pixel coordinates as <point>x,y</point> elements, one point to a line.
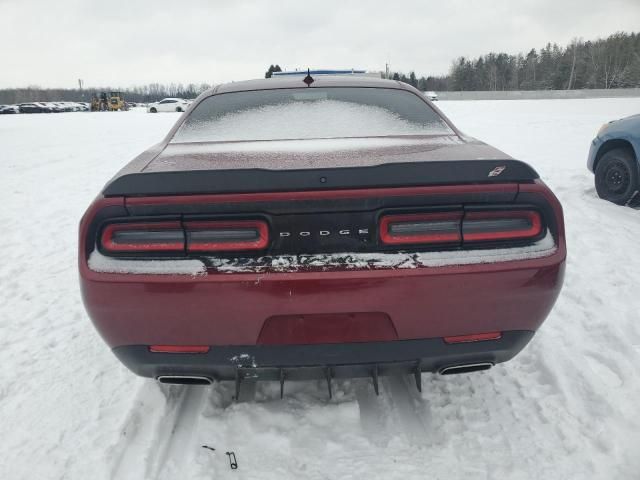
<point>297,165</point>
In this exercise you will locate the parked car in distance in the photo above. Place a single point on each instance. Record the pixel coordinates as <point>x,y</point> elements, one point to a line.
<point>49,107</point>
<point>35,107</point>
<point>71,106</point>
<point>614,158</point>
<point>347,228</point>
<point>9,109</point>
<point>63,106</point>
<point>168,105</point>
<point>433,96</point>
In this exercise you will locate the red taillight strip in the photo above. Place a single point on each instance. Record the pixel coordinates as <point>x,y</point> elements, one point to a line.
<point>179,348</point>
<point>435,237</point>
<point>533,230</point>
<point>260,227</point>
<point>108,243</point>
<point>476,337</point>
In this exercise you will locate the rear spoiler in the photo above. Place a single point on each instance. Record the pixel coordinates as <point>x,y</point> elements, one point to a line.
<point>264,180</point>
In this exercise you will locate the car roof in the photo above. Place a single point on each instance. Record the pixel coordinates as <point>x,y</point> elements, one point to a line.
<point>294,81</point>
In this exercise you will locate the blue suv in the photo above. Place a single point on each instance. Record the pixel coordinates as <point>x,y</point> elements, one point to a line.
<point>614,157</point>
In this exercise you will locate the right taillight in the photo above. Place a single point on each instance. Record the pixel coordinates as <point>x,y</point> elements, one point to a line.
<point>501,225</point>
<point>459,227</point>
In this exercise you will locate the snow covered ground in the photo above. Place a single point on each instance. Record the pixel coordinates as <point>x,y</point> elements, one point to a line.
<point>565,408</point>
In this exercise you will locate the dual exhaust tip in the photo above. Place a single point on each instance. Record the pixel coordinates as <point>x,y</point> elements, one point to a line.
<point>199,380</point>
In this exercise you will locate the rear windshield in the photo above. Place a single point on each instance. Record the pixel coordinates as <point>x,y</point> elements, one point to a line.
<point>306,113</point>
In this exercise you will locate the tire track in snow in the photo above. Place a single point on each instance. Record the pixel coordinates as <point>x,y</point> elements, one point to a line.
<point>410,410</point>
<point>398,410</point>
<point>155,429</point>
<point>139,431</point>
<point>175,435</point>
<point>374,413</point>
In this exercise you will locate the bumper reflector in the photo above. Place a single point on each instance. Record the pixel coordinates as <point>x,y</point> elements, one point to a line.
<point>179,348</point>
<point>476,337</point>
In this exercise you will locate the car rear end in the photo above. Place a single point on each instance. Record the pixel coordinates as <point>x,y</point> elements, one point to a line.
<point>445,278</point>
<point>199,274</point>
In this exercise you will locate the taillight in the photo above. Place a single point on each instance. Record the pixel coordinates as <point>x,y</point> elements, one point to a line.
<point>501,225</point>
<point>178,237</point>
<point>458,227</point>
<point>427,228</point>
<point>143,237</point>
<point>215,236</point>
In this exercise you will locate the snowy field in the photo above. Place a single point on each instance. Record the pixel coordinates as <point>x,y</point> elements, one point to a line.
<point>565,408</point>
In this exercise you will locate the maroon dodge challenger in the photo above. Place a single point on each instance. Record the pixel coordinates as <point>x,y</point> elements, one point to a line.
<point>338,227</point>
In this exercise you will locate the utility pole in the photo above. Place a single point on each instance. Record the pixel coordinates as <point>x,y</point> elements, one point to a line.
<point>80,84</point>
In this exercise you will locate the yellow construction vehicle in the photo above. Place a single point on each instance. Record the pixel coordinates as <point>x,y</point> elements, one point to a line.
<point>110,102</point>
<point>116,101</point>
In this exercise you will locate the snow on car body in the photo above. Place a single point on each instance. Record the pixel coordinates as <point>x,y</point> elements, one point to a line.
<point>342,229</point>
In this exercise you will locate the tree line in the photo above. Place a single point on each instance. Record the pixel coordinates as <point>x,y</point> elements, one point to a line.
<point>142,93</point>
<point>612,62</point>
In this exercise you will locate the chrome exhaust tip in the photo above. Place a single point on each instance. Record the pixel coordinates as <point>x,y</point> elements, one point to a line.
<point>465,368</point>
<point>184,380</point>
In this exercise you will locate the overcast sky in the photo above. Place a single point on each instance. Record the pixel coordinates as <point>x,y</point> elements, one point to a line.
<point>122,43</point>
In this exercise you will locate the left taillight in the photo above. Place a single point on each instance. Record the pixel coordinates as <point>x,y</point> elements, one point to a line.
<point>184,237</point>
<point>143,237</point>
<point>217,236</point>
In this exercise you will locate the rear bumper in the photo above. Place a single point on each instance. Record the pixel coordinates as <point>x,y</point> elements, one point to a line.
<point>299,362</point>
<point>233,309</point>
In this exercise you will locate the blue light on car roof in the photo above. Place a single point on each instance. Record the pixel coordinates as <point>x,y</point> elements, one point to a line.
<point>320,72</point>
